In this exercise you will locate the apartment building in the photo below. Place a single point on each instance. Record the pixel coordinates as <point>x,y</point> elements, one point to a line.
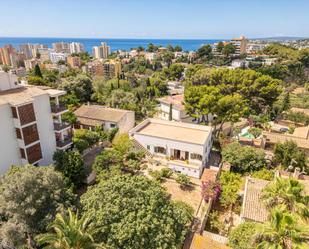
<point>76,47</point>
<point>26,49</point>
<point>36,47</point>
<point>31,127</point>
<point>30,64</point>
<point>111,69</point>
<point>240,44</point>
<point>184,148</point>
<point>61,47</point>
<point>101,52</point>
<point>8,55</point>
<point>92,116</point>
<point>74,61</point>
<point>56,57</point>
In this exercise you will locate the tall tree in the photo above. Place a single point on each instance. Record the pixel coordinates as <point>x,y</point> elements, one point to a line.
<point>135,212</point>
<point>37,71</point>
<point>30,197</point>
<point>69,232</point>
<point>283,231</point>
<point>289,193</point>
<point>288,154</point>
<point>220,46</point>
<point>71,165</point>
<point>228,49</point>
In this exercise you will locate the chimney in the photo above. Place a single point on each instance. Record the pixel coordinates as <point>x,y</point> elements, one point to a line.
<point>296,173</point>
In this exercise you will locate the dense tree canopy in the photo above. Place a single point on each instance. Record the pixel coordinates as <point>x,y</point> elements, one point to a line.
<point>259,91</point>
<point>71,165</point>
<point>288,154</point>
<point>242,237</point>
<point>80,86</point>
<point>230,185</point>
<point>135,212</point>
<point>243,158</point>
<point>30,197</point>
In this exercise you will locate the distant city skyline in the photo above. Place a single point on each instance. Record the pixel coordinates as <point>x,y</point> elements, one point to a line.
<point>172,19</point>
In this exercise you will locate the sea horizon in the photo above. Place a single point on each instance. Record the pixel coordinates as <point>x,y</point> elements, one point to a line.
<point>115,43</point>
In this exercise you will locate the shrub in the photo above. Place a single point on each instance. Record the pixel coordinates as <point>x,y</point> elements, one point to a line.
<point>156,174</point>
<point>264,174</point>
<point>166,172</point>
<point>256,132</point>
<point>183,180</point>
<point>242,237</point>
<point>215,223</point>
<point>211,190</point>
<point>230,185</point>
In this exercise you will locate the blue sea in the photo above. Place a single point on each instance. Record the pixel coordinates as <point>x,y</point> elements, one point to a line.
<point>115,44</point>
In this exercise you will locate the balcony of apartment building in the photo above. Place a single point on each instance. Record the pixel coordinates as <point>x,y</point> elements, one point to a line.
<point>64,141</point>
<point>179,157</point>
<point>57,107</point>
<point>61,126</point>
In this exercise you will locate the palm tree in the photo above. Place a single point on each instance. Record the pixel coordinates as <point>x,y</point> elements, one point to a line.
<point>69,232</point>
<point>283,231</point>
<point>287,192</point>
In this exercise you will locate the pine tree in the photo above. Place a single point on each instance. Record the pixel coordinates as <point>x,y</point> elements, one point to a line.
<point>37,71</point>
<point>170,114</point>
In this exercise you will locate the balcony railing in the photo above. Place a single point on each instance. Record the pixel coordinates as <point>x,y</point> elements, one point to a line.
<point>58,108</point>
<point>61,126</point>
<point>63,143</point>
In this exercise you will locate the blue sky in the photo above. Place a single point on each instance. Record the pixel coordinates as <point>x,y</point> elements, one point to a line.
<point>154,19</point>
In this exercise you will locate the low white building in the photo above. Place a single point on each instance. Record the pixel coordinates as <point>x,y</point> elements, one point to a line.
<point>31,129</point>
<point>133,53</point>
<point>149,56</point>
<point>172,107</point>
<point>186,147</point>
<point>239,63</point>
<point>92,116</point>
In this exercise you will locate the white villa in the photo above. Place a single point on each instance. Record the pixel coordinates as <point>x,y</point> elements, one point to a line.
<point>185,147</point>
<point>174,104</point>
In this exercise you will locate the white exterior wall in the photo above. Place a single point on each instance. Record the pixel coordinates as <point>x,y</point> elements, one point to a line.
<point>108,125</point>
<point>8,81</point>
<point>9,150</point>
<point>203,150</point>
<point>45,128</point>
<point>177,115</point>
<point>196,173</point>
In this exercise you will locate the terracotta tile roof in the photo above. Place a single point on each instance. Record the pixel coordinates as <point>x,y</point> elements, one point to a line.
<point>205,242</point>
<point>96,113</point>
<point>209,175</point>
<point>253,209</point>
<point>176,100</point>
<point>301,110</point>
